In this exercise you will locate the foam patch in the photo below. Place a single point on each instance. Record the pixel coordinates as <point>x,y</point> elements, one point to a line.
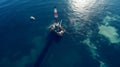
<point>107,19</point>
<point>88,43</point>
<point>109,32</point>
<point>102,64</point>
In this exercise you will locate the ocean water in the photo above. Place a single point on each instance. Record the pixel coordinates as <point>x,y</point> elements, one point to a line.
<point>92,37</point>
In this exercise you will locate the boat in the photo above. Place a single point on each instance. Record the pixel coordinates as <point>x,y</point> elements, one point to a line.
<point>57,26</point>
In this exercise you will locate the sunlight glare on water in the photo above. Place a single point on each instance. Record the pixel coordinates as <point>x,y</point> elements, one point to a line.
<point>82,11</point>
<point>81,5</point>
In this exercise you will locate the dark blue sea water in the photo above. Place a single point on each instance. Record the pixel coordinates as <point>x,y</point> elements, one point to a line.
<point>92,37</point>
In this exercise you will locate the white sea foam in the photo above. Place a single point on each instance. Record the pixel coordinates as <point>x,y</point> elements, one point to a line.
<point>93,50</point>
<point>110,32</point>
<point>108,19</point>
<point>88,43</point>
<point>102,64</point>
<point>113,17</point>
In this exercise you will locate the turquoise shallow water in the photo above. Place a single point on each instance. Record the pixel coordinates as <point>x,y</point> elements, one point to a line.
<point>92,37</point>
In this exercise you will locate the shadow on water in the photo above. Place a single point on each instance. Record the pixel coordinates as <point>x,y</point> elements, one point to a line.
<point>52,37</point>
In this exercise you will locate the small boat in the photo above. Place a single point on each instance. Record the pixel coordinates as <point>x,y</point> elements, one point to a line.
<point>57,26</point>
<point>32,17</point>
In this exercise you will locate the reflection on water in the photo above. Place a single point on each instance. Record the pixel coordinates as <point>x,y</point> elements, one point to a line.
<point>81,5</point>
<point>81,12</point>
